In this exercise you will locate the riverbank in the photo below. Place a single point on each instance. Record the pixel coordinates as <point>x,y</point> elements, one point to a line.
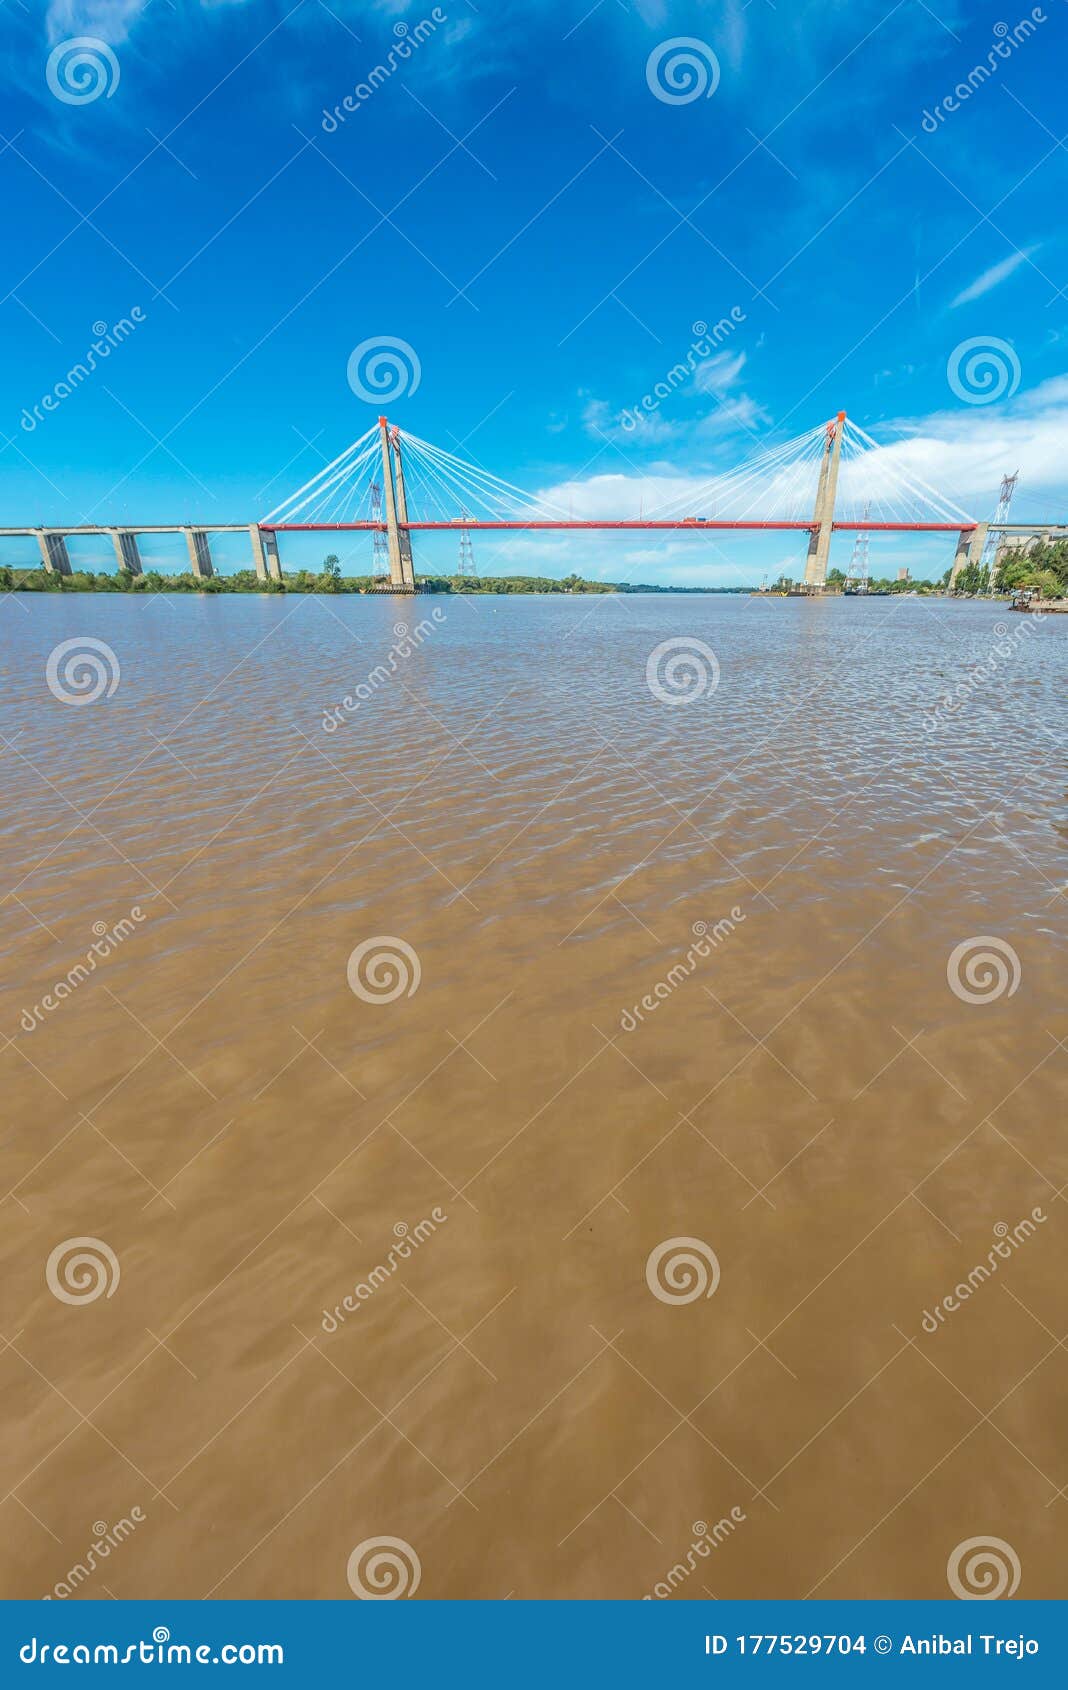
<point>246,581</point>
<point>309,581</point>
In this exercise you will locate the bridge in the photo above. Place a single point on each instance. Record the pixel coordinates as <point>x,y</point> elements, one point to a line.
<point>828,480</point>
<point>55,557</point>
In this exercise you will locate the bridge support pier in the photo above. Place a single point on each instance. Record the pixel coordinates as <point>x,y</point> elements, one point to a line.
<point>265,553</point>
<point>969,550</point>
<point>819,545</point>
<point>54,554</point>
<point>127,554</point>
<point>274,558</point>
<point>196,541</point>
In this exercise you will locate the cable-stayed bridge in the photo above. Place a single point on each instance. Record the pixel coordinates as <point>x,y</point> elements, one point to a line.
<point>394,485</point>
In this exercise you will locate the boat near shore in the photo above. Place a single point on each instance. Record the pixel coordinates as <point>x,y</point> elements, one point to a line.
<point>1027,600</point>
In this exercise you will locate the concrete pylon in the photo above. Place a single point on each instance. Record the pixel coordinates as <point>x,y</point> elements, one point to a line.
<point>127,554</point>
<point>274,556</point>
<point>389,501</point>
<point>407,568</point>
<point>960,556</point>
<point>819,545</point>
<point>54,554</point>
<point>196,541</point>
<point>969,550</point>
<point>265,552</point>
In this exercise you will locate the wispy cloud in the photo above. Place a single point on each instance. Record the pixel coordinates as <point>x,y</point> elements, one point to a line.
<point>667,412</point>
<point>992,278</point>
<point>719,373</point>
<point>107,20</point>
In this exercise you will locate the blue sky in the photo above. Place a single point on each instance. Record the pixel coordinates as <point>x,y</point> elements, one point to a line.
<point>517,202</point>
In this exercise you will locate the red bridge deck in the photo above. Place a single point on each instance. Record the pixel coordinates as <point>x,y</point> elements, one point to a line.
<point>687,523</point>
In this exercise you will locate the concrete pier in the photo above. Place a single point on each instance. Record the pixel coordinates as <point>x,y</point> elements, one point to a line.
<point>259,549</point>
<point>274,559</point>
<point>969,550</point>
<point>265,553</point>
<point>196,540</point>
<point>54,554</point>
<point>127,553</point>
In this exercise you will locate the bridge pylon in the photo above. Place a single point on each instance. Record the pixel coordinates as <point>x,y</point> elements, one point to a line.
<point>407,569</point>
<point>394,499</point>
<point>819,545</point>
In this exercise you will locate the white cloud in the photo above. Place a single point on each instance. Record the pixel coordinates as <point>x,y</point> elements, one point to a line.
<point>107,20</point>
<point>719,373</point>
<point>666,411</point>
<point>961,454</point>
<point>991,278</point>
<point>742,412</point>
<point>965,453</point>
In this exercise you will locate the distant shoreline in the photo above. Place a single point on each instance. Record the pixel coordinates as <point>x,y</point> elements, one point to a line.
<point>246,582</point>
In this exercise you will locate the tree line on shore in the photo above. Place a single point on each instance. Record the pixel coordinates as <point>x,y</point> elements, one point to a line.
<point>327,580</point>
<point>1043,569</point>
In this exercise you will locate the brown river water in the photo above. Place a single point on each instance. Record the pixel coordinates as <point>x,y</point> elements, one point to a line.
<point>600,1140</point>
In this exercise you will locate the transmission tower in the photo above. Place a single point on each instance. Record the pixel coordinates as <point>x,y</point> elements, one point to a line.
<point>858,568</point>
<point>466,567</point>
<point>994,538</point>
<point>380,552</point>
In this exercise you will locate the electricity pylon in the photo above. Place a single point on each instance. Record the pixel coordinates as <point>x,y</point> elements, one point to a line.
<point>466,567</point>
<point>995,537</point>
<point>858,568</point>
<point>380,544</point>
